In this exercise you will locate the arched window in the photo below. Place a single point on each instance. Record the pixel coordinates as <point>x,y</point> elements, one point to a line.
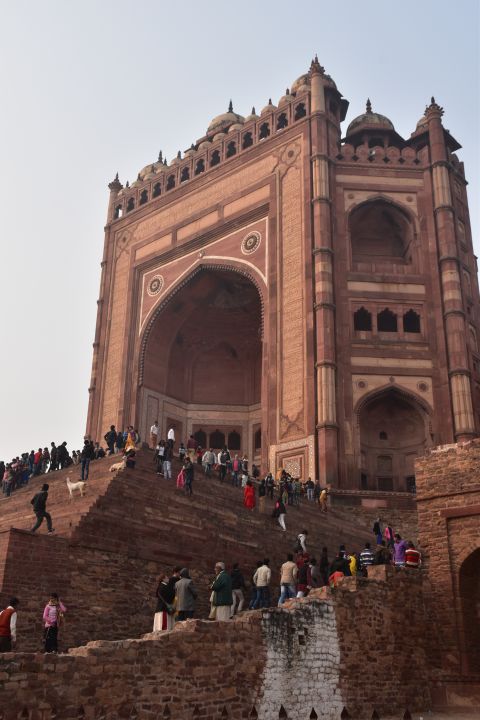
<point>383,435</point>
<point>185,175</point>
<point>217,440</point>
<point>234,440</point>
<point>231,149</point>
<point>380,233</point>
<point>157,190</point>
<point>282,121</point>
<point>143,197</point>
<point>130,204</point>
<point>257,440</point>
<point>411,322</point>
<point>215,159</point>
<point>247,140</point>
<point>386,321</point>
<point>200,167</point>
<point>300,111</point>
<point>201,438</point>
<point>170,182</point>
<point>118,212</point>
<point>362,319</point>
<point>264,131</point>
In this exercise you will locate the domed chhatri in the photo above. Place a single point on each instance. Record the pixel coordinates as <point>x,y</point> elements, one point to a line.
<point>369,120</point>
<point>222,122</point>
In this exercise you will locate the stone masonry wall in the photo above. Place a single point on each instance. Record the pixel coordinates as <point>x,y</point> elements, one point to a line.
<point>320,654</point>
<point>448,501</point>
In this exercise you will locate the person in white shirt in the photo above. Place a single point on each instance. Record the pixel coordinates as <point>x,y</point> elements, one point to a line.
<point>154,434</point>
<point>262,581</point>
<point>171,437</point>
<point>8,626</point>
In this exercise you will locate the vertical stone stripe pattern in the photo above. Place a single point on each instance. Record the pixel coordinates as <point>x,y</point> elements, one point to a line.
<point>441,186</point>
<point>324,277</point>
<point>292,356</point>
<point>115,348</point>
<point>302,664</point>
<point>326,395</point>
<point>451,285</point>
<point>320,178</point>
<point>462,403</point>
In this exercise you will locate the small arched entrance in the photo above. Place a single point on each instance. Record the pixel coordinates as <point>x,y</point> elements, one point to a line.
<point>202,361</point>
<point>469,585</point>
<point>393,430</point>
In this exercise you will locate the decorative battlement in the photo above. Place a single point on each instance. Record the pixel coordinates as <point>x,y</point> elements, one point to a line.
<point>211,151</point>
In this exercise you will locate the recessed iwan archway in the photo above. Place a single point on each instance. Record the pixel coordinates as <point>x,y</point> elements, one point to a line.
<point>202,362</point>
<point>393,429</point>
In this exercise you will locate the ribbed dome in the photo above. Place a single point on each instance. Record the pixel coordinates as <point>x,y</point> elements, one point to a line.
<point>369,120</point>
<point>422,123</point>
<point>222,122</point>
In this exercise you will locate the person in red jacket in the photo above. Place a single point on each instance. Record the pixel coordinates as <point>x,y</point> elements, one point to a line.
<point>8,626</point>
<point>249,495</point>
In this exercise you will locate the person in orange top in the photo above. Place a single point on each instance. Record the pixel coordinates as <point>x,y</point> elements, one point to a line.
<point>249,495</point>
<point>8,626</point>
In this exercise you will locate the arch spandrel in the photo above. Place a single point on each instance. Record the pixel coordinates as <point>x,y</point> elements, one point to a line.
<point>244,251</point>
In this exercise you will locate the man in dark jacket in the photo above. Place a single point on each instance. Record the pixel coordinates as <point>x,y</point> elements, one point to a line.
<point>238,586</point>
<point>63,457</point>
<point>39,502</point>
<point>87,454</point>
<point>53,457</point>
<point>222,593</point>
<point>110,438</point>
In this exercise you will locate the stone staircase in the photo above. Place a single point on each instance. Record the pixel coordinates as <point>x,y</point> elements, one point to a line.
<point>110,546</point>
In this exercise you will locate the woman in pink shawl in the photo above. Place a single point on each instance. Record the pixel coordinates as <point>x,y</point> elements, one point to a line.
<point>181,480</point>
<point>52,618</point>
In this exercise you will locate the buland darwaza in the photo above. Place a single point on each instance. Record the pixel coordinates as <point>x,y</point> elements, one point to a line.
<point>301,293</point>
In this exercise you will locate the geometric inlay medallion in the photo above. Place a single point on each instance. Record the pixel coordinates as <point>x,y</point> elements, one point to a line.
<point>155,285</point>
<point>251,242</point>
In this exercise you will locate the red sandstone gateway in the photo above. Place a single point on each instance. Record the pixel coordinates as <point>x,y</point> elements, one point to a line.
<point>299,292</point>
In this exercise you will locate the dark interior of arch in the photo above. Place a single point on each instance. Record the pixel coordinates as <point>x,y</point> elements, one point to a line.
<point>380,233</point>
<point>392,435</point>
<point>205,346</point>
<point>470,598</point>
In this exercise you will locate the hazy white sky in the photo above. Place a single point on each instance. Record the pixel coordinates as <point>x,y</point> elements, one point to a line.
<point>96,86</point>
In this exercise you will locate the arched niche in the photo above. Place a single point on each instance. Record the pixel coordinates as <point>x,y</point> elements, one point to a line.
<point>469,586</point>
<point>381,237</point>
<point>393,428</point>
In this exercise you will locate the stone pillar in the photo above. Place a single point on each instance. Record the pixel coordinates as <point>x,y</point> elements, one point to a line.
<point>453,311</point>
<point>93,415</point>
<point>323,278</point>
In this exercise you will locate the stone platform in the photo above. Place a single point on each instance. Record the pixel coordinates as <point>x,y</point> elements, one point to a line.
<point>111,545</point>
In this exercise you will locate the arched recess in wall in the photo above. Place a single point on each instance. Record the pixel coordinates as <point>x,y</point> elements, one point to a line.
<point>382,235</point>
<point>469,587</point>
<point>392,428</point>
<point>201,353</point>
<point>171,296</point>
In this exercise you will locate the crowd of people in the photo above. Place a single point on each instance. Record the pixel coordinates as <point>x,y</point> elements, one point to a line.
<point>283,488</point>
<point>301,572</point>
<point>21,469</point>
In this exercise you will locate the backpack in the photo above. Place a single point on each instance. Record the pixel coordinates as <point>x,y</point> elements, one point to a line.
<point>224,458</point>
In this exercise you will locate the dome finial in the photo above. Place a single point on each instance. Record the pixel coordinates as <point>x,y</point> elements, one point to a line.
<point>179,155</point>
<point>253,110</point>
<point>433,107</point>
<point>115,185</point>
<point>230,107</point>
<point>369,106</point>
<point>160,157</point>
<point>316,68</point>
